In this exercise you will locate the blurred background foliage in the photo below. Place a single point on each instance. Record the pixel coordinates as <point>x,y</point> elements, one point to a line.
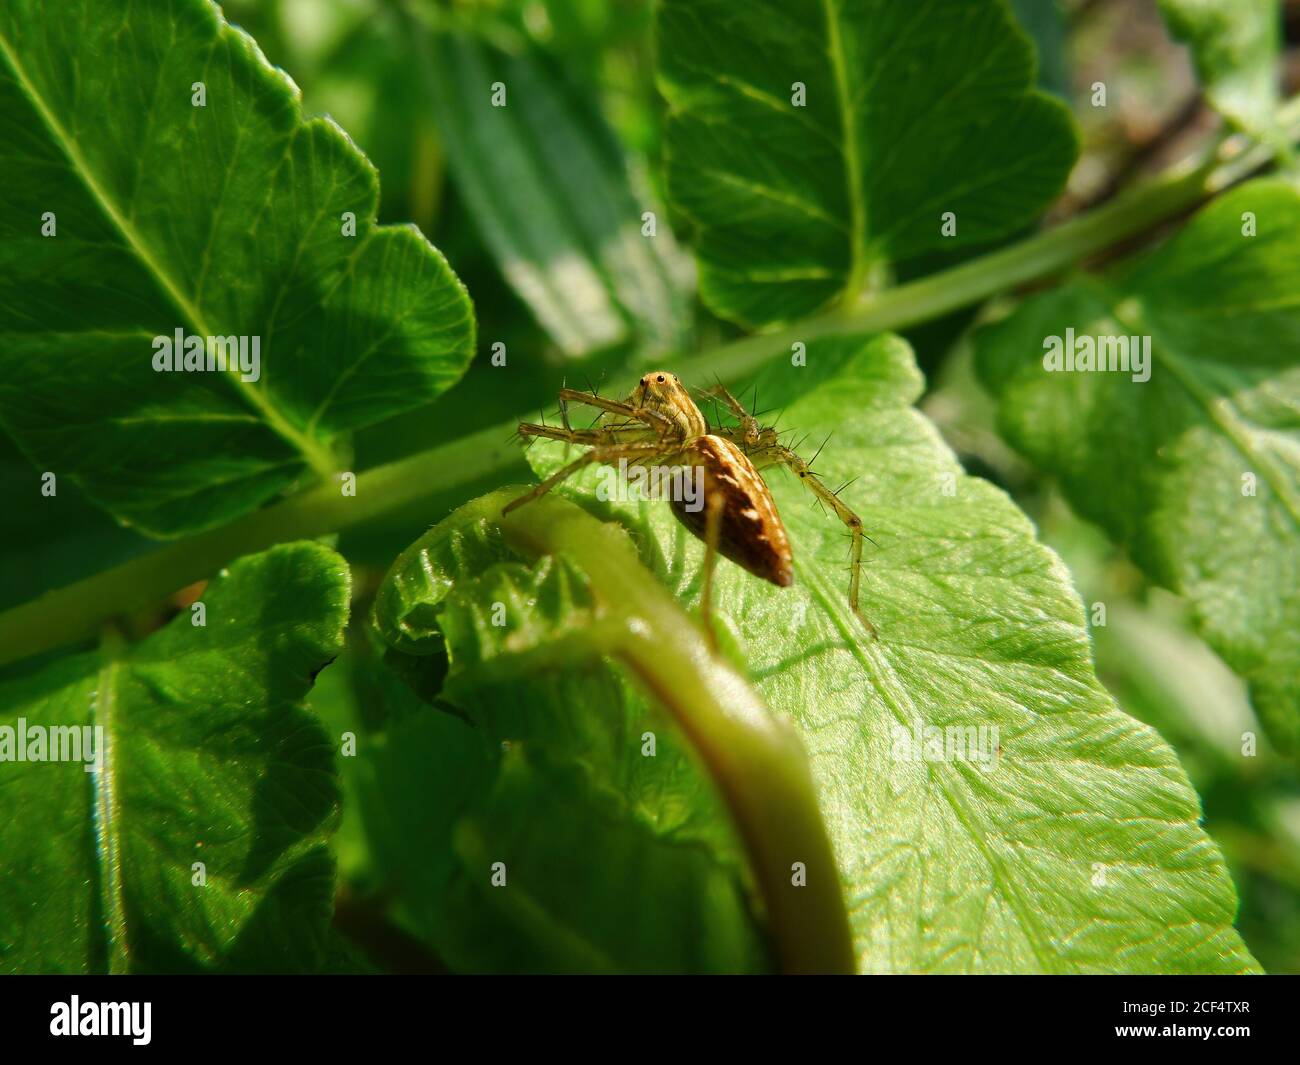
<point>573,305</point>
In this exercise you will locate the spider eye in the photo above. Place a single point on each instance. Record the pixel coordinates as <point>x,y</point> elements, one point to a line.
<point>660,378</point>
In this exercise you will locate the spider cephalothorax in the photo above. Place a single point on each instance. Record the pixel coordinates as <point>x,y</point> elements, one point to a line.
<point>663,392</point>
<point>660,424</point>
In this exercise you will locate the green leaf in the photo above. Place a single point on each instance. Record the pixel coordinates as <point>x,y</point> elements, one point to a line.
<point>221,220</point>
<point>1236,45</point>
<point>208,757</point>
<point>910,112</point>
<point>549,188</point>
<point>554,737</point>
<point>1197,470</point>
<point>594,892</point>
<point>1045,22</point>
<point>1076,848</point>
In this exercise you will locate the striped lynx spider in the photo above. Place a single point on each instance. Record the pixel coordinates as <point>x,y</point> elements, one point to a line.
<point>659,423</point>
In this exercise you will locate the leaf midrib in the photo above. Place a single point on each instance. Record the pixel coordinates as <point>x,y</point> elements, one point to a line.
<point>317,457</point>
<point>105,814</point>
<point>852,158</point>
<point>1219,411</point>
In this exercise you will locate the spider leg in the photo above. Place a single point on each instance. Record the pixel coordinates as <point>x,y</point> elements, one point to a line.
<point>633,452</point>
<point>789,458</point>
<point>651,418</point>
<point>747,435</point>
<point>719,391</point>
<point>625,433</point>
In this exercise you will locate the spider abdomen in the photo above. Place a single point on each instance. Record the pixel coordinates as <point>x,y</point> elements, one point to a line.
<point>751,533</point>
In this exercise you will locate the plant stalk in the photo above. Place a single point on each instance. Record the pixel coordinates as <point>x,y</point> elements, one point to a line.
<point>755,758</point>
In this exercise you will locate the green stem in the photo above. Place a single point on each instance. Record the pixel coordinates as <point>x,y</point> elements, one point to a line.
<point>755,758</point>
<point>1033,259</point>
<point>76,611</point>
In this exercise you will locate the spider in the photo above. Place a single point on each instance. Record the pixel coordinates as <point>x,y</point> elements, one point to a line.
<point>660,423</point>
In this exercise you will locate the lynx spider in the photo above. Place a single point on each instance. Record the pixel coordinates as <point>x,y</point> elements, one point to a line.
<point>660,422</point>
